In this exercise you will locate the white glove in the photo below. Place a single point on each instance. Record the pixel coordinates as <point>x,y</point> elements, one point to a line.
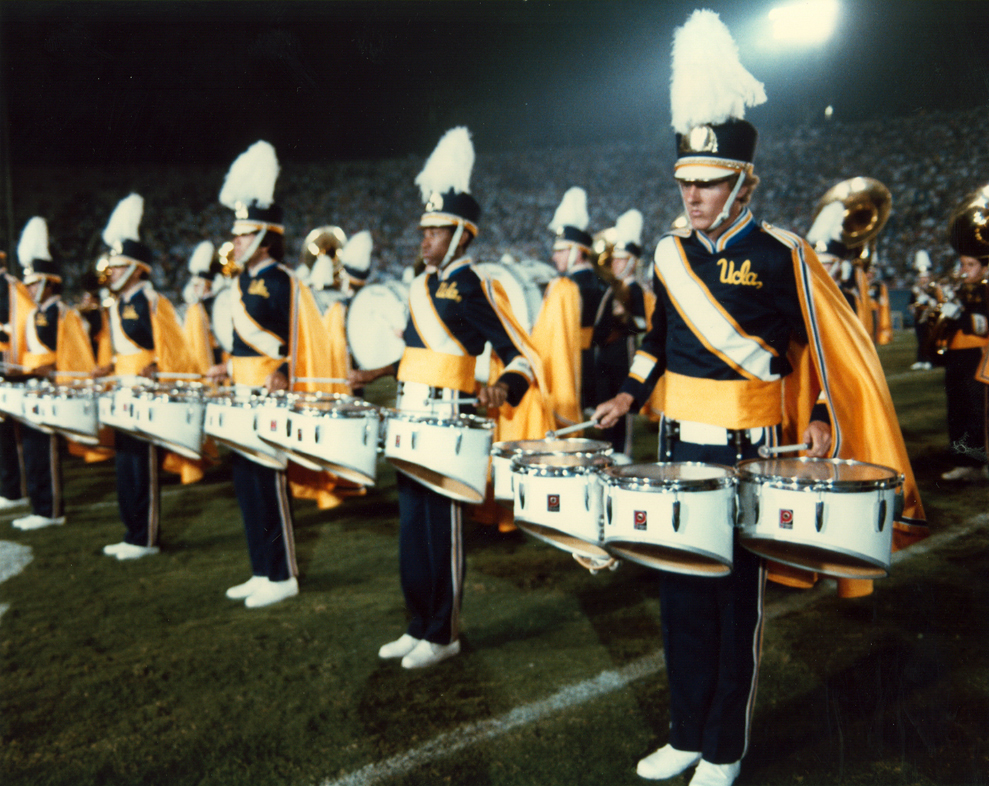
<point>980,325</point>
<point>951,309</point>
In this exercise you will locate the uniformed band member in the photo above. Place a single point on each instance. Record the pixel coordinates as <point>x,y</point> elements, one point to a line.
<point>13,486</point>
<point>42,452</point>
<point>921,303</point>
<point>623,320</point>
<point>261,303</point>
<point>730,296</point>
<point>453,314</point>
<point>135,354</point>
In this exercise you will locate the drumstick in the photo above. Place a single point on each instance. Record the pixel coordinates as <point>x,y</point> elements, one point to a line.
<point>551,434</point>
<point>321,380</point>
<point>177,375</point>
<point>765,451</point>
<point>70,373</point>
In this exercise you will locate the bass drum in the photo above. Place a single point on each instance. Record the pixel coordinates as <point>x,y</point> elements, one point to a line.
<point>376,321</point>
<point>524,296</point>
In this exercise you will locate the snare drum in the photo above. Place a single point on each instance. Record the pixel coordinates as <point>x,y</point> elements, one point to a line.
<point>675,516</point>
<point>447,454</point>
<point>116,409</point>
<point>73,411</point>
<point>558,499</point>
<point>327,431</point>
<point>502,454</point>
<point>172,417</point>
<point>12,399</point>
<point>233,419</point>
<point>34,407</point>
<point>831,516</point>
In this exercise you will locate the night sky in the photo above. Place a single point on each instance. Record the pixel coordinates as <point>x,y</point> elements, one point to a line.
<point>107,83</point>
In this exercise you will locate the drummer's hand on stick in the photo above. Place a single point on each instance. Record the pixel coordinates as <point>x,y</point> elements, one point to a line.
<point>818,436</point>
<point>610,412</point>
<point>493,396</point>
<point>359,377</point>
<point>103,371</point>
<point>149,371</point>
<point>275,381</point>
<point>217,373</point>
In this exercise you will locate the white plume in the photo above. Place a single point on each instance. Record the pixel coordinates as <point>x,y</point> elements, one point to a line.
<point>251,178</point>
<point>202,258</point>
<point>125,221</point>
<point>708,83</point>
<point>449,165</point>
<point>572,211</point>
<point>356,253</point>
<point>321,275</point>
<point>628,228</point>
<point>827,225</point>
<point>922,261</point>
<point>34,242</point>
<point>302,273</point>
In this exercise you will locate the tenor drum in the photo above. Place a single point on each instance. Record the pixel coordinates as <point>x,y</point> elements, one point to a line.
<point>73,411</point>
<point>831,516</point>
<point>502,454</point>
<point>172,417</point>
<point>12,399</point>
<point>233,418</point>
<point>448,454</point>
<point>558,499</point>
<point>34,407</point>
<point>376,322</point>
<point>674,516</point>
<point>325,431</point>
<point>116,409</point>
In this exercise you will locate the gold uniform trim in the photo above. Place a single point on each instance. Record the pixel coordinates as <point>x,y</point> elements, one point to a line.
<point>734,404</point>
<point>437,369</point>
<point>133,364</point>
<point>253,371</point>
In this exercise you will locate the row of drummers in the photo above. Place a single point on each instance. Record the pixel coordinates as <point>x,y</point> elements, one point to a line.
<point>570,493</point>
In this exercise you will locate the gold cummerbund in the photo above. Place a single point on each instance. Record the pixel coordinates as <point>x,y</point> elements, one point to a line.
<point>134,364</point>
<point>253,371</point>
<point>958,341</point>
<point>731,403</point>
<point>437,369</point>
<point>33,360</point>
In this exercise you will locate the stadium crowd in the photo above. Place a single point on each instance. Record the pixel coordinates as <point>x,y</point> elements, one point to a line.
<point>928,161</point>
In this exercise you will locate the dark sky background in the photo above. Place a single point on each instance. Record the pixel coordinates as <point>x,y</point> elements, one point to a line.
<point>109,83</point>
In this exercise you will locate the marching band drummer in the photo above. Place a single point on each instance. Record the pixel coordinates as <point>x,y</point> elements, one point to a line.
<point>54,339</point>
<point>15,304</point>
<point>730,294</point>
<point>261,303</point>
<point>146,339</point>
<point>453,313</point>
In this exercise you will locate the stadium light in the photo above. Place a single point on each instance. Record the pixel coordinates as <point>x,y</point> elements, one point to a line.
<point>806,22</point>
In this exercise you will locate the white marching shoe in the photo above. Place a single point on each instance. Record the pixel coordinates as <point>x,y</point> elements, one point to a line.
<point>34,521</point>
<point>965,473</point>
<point>398,648</point>
<point>666,762</point>
<point>708,774</point>
<point>272,592</point>
<point>241,591</point>
<point>426,654</point>
<point>113,548</point>
<point>130,551</point>
<point>10,504</point>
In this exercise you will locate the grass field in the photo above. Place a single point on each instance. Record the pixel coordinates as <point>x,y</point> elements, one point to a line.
<point>144,673</point>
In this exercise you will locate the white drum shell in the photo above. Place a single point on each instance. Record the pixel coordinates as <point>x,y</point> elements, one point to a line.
<point>12,399</point>
<point>681,527</point>
<point>341,439</point>
<point>450,455</point>
<point>72,412</point>
<point>116,410</point>
<point>844,530</point>
<point>503,453</point>
<point>172,419</point>
<point>558,499</point>
<point>234,423</point>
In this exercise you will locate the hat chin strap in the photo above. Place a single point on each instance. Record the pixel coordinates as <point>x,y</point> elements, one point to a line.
<point>251,249</point>
<point>119,285</point>
<point>726,210</point>
<point>458,233</point>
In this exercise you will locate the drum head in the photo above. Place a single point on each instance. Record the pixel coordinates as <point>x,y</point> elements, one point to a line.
<point>846,474</point>
<point>376,323</point>
<point>559,464</point>
<point>692,475</point>
<point>523,294</point>
<point>540,446</point>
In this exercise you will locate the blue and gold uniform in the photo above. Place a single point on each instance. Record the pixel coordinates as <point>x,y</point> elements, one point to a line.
<point>452,314</point>
<point>262,306</point>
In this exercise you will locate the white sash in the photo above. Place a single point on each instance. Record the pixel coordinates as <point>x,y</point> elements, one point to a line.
<point>435,335</point>
<point>706,319</point>
<point>122,344</point>
<point>251,333</point>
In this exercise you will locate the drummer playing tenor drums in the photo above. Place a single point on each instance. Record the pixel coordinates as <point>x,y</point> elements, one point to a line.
<point>453,313</point>
<point>731,295</point>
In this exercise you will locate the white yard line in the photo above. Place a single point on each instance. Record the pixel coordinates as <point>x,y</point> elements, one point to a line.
<point>588,690</point>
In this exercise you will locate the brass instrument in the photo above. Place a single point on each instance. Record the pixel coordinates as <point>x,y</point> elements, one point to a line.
<point>968,227</point>
<point>325,241</point>
<point>224,257</point>
<point>867,204</point>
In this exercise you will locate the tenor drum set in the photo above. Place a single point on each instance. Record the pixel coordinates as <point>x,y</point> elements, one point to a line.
<point>830,516</point>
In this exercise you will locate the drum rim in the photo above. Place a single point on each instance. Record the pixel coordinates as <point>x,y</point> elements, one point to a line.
<point>895,480</point>
<point>499,448</point>
<point>462,419</point>
<point>633,483</point>
<point>520,465</point>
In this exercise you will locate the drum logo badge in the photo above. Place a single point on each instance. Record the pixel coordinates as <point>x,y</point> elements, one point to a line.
<point>398,440</point>
<point>786,519</point>
<point>298,434</point>
<point>640,520</point>
<point>274,426</point>
<point>553,503</point>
